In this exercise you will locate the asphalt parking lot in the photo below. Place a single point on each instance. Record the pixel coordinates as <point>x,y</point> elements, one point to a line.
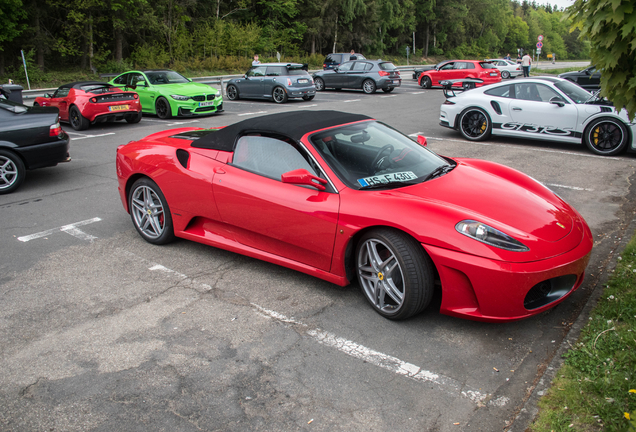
<point>102,331</point>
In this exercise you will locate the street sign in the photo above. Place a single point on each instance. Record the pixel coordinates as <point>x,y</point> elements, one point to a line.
<point>539,45</point>
<point>538,50</point>
<point>540,38</point>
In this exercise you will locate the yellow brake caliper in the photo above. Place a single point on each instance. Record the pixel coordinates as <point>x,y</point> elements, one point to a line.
<point>596,132</point>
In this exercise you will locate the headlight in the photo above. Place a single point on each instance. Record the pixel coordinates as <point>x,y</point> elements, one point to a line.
<point>493,237</point>
<point>179,97</point>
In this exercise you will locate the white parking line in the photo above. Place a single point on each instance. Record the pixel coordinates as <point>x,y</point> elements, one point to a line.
<point>69,229</point>
<point>382,360</point>
<point>568,187</point>
<point>252,113</point>
<point>418,92</point>
<point>182,122</point>
<point>91,136</point>
<point>389,96</point>
<point>352,100</point>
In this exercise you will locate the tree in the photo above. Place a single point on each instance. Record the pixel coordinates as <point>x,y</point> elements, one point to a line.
<point>611,29</point>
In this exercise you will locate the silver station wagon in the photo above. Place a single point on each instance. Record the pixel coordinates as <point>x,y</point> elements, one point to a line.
<point>273,81</point>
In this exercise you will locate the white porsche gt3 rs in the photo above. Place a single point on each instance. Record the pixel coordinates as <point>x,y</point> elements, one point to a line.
<point>543,108</point>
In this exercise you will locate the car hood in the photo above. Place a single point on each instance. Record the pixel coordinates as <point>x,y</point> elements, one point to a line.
<point>501,197</point>
<point>186,89</point>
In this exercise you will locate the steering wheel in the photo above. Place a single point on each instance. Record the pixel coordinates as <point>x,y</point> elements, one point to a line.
<point>378,157</point>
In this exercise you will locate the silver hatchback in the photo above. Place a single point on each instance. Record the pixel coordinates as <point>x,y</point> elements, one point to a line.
<point>273,81</point>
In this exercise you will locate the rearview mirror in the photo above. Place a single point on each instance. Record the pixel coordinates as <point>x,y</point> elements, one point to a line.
<point>421,140</point>
<point>557,101</point>
<point>303,177</point>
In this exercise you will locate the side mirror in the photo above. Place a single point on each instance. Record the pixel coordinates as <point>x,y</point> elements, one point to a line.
<point>421,140</point>
<point>587,72</point>
<point>189,79</point>
<point>557,101</point>
<point>303,177</point>
<point>142,84</point>
<point>335,68</point>
<point>245,76</point>
<point>48,95</point>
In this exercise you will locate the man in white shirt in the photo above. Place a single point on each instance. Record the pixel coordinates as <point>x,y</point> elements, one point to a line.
<point>256,61</point>
<point>526,61</point>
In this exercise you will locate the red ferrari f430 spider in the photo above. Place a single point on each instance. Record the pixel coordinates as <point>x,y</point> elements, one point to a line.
<point>343,197</point>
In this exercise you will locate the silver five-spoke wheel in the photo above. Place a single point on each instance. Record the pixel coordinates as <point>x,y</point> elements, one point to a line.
<point>150,212</point>
<point>12,171</point>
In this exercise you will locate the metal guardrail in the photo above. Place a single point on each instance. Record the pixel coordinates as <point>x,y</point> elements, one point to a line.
<point>210,80</point>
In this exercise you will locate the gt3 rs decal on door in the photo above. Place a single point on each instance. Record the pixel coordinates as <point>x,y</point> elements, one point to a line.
<point>533,128</point>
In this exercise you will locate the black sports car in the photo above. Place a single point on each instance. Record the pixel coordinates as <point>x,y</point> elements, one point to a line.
<point>418,71</point>
<point>588,78</point>
<point>30,137</point>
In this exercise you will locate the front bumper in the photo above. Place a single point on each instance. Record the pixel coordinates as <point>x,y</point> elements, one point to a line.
<point>190,108</point>
<point>481,289</point>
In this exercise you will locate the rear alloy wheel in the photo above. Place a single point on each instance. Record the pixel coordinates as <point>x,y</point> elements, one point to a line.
<point>426,83</point>
<point>320,84</point>
<point>388,89</point>
<point>606,136</point>
<point>308,98</point>
<point>505,74</point>
<point>77,120</point>
<point>394,272</point>
<point>279,95</point>
<point>474,124</point>
<point>232,92</point>
<point>162,107</point>
<point>368,86</point>
<point>150,212</point>
<point>12,171</point>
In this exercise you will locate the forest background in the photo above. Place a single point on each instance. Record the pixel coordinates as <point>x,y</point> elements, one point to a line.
<point>223,35</point>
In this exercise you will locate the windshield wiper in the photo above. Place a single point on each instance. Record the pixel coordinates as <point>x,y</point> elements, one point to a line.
<point>388,184</point>
<point>440,170</point>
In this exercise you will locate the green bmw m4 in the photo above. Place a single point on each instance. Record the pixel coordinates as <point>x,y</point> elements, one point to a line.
<point>168,94</point>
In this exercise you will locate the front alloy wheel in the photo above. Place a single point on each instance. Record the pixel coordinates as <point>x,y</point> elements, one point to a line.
<point>162,107</point>
<point>474,124</point>
<point>395,274</point>
<point>606,136</point>
<point>232,92</point>
<point>150,212</point>
<point>279,95</point>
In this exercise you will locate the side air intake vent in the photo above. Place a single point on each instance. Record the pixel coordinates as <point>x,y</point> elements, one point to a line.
<point>606,109</point>
<point>496,107</point>
<point>183,157</point>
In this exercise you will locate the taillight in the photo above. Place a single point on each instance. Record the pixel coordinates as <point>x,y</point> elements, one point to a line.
<point>136,96</point>
<point>518,68</point>
<point>383,73</point>
<point>447,102</point>
<point>55,129</point>
<point>93,100</point>
<point>324,66</point>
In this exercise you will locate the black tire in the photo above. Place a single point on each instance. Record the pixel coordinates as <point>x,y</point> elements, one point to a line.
<point>36,104</point>
<point>134,118</point>
<point>368,86</point>
<point>279,95</point>
<point>388,89</point>
<point>12,171</point>
<point>232,92</point>
<point>505,74</point>
<point>77,120</point>
<point>320,84</point>
<point>402,284</point>
<point>163,109</point>
<point>150,212</point>
<point>426,83</point>
<point>474,124</point>
<point>308,98</point>
<point>606,136</point>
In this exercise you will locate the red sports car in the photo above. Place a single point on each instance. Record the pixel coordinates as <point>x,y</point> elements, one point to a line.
<point>340,196</point>
<point>88,102</point>
<point>459,69</point>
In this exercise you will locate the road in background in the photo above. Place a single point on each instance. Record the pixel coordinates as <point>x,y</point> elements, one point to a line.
<point>103,331</point>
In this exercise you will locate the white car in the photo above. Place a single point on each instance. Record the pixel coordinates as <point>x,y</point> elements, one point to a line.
<point>544,108</point>
<point>508,68</point>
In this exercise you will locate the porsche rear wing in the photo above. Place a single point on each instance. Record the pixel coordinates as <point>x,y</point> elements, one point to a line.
<point>467,84</point>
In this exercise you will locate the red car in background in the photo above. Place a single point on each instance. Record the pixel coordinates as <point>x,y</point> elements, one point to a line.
<point>87,102</point>
<point>460,69</point>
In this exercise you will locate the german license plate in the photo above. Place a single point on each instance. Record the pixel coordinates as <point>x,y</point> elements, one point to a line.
<point>118,108</point>
<point>303,81</point>
<point>202,104</point>
<point>387,178</point>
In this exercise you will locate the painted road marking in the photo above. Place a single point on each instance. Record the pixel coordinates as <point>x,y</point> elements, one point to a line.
<point>69,229</point>
<point>252,113</point>
<point>418,92</point>
<point>182,122</point>
<point>89,136</point>
<point>379,359</point>
<point>569,187</point>
<point>388,96</point>
<point>352,100</point>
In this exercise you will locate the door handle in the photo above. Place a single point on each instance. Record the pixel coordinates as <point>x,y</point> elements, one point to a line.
<point>516,109</point>
<point>219,170</point>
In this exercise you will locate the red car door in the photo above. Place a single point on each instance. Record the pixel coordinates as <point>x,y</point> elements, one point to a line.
<point>446,72</point>
<point>60,101</point>
<point>287,220</point>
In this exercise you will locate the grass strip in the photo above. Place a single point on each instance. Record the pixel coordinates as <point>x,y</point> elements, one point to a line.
<point>595,389</point>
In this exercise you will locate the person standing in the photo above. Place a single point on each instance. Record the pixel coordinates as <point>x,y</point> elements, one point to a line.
<point>352,55</point>
<point>526,61</point>
<point>255,61</point>
<point>507,57</point>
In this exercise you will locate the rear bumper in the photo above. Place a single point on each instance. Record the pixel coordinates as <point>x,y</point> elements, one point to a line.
<point>46,154</point>
<point>298,92</point>
<point>389,83</point>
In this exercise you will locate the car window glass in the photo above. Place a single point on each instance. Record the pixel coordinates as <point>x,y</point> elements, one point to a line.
<point>447,66</point>
<point>269,157</point>
<point>501,63</point>
<point>486,65</point>
<point>330,59</point>
<point>257,71</point>
<point>121,80</point>
<point>502,91</point>
<point>166,77</point>
<point>295,71</point>
<point>62,92</point>
<point>387,66</point>
<point>275,70</point>
<point>359,66</point>
<point>345,67</point>
<point>534,92</point>
<point>576,93</point>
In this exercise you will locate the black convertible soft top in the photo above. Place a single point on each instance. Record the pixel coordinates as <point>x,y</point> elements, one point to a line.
<point>293,124</point>
<point>79,84</point>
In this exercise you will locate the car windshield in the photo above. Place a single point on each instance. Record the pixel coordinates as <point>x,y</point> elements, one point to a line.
<point>166,77</point>
<point>12,106</point>
<point>97,88</point>
<point>573,91</point>
<point>297,70</point>
<point>370,155</point>
<point>387,66</point>
<point>487,65</point>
